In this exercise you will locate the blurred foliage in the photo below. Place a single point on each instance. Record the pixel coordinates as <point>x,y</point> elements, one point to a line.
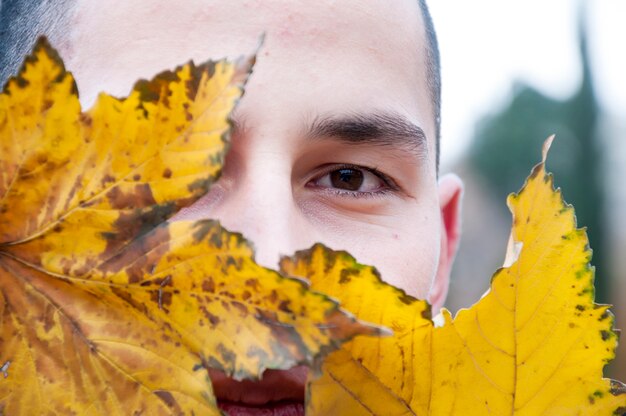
<point>508,143</point>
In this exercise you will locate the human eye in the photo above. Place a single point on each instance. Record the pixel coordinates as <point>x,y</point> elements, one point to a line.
<point>352,180</point>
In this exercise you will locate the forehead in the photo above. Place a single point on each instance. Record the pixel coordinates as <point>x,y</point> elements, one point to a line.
<point>377,23</point>
<point>330,55</point>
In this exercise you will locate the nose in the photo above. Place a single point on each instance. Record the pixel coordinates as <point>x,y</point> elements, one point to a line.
<point>259,204</point>
<point>255,197</point>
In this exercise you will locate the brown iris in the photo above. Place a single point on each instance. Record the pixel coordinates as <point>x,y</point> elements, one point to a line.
<point>348,179</point>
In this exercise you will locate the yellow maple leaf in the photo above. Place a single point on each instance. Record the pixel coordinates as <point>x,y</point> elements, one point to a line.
<point>105,307</point>
<point>535,344</point>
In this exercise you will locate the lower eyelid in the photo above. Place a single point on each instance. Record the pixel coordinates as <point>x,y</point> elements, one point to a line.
<point>367,194</point>
<point>334,192</point>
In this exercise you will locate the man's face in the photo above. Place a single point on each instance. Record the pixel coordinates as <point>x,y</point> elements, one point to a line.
<point>335,137</point>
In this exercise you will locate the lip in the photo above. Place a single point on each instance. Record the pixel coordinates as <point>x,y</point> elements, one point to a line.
<point>270,409</point>
<point>278,393</point>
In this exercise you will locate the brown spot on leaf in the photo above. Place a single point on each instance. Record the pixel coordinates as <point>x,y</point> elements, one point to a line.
<point>228,356</point>
<point>208,285</point>
<point>213,319</point>
<point>107,179</point>
<point>273,297</point>
<point>136,224</point>
<point>406,299</point>
<point>346,275</point>
<point>168,399</point>
<point>85,119</point>
<point>427,313</point>
<point>78,182</point>
<point>212,362</point>
<point>284,306</point>
<point>202,229</point>
<point>152,91</point>
<point>167,173</point>
<point>48,318</point>
<point>253,283</point>
<point>240,307</point>
<point>193,83</point>
<point>140,197</point>
<point>127,297</point>
<point>284,334</point>
<point>216,240</point>
<point>199,185</point>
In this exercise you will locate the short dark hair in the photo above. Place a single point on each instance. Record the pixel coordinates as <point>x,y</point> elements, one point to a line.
<point>433,74</point>
<point>22,21</point>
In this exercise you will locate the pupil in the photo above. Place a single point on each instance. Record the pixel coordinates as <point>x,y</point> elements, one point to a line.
<point>348,179</point>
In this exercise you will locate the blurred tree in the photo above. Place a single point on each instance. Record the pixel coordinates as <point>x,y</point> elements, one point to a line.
<point>508,143</point>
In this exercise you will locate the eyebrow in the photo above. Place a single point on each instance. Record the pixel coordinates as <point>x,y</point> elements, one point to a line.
<point>376,129</point>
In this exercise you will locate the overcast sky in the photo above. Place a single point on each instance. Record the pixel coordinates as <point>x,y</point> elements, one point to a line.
<point>487,44</point>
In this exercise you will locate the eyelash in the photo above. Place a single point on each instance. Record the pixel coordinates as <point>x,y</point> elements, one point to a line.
<point>390,185</point>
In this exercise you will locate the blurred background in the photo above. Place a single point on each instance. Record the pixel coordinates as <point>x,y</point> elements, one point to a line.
<point>515,72</point>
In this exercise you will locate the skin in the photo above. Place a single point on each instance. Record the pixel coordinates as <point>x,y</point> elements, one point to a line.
<point>320,60</point>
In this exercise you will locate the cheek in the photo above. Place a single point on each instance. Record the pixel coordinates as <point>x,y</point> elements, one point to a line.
<point>408,259</point>
<point>404,247</point>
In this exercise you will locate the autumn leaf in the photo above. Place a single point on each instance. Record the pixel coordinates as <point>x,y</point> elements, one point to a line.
<point>105,307</point>
<point>535,344</point>
<point>390,376</point>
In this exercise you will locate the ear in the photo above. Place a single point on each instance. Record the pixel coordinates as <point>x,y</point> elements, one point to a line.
<point>450,194</point>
